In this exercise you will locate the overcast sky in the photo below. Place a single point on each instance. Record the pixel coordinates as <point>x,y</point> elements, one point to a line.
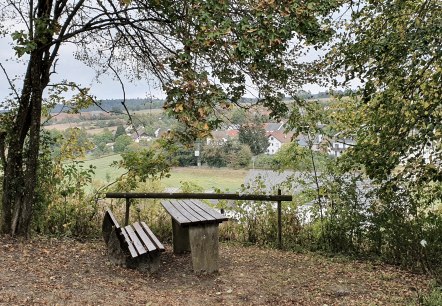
<point>73,70</point>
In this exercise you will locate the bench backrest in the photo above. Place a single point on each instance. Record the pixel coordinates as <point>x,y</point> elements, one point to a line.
<point>109,223</point>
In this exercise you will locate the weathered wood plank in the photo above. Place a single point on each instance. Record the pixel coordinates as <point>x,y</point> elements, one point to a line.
<point>109,223</point>
<point>204,248</point>
<point>135,240</point>
<point>185,211</point>
<point>112,217</point>
<point>180,238</point>
<point>219,217</point>
<point>154,239</point>
<point>174,213</point>
<point>145,239</point>
<point>189,207</point>
<point>131,248</point>
<point>207,217</point>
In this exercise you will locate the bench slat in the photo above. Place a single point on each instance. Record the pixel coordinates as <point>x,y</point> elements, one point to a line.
<point>176,215</point>
<point>128,242</point>
<point>187,211</point>
<point>202,213</point>
<point>154,239</point>
<point>219,217</point>
<point>135,240</point>
<point>112,217</point>
<point>144,238</point>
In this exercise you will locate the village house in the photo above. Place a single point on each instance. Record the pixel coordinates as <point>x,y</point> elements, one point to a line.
<point>339,145</point>
<point>222,136</point>
<point>276,140</point>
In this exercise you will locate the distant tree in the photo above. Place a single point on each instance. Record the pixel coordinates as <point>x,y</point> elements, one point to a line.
<point>255,137</point>
<point>239,156</point>
<point>105,137</point>
<point>120,131</point>
<point>239,116</point>
<point>214,156</point>
<point>185,157</point>
<point>122,143</point>
<point>75,144</point>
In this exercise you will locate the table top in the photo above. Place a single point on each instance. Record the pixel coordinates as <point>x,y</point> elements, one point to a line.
<point>192,212</point>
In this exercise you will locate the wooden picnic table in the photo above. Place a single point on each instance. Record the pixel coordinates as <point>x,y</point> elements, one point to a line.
<point>195,229</point>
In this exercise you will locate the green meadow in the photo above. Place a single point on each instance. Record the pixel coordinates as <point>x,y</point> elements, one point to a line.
<point>207,178</point>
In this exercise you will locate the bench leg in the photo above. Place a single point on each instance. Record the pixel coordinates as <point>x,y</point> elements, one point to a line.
<point>147,263</point>
<point>204,247</point>
<point>116,254</point>
<point>180,238</point>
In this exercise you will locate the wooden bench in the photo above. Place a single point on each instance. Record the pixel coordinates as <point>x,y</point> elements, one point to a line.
<point>133,246</point>
<point>195,229</point>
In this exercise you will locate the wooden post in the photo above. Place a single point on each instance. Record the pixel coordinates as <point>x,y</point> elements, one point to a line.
<point>126,217</point>
<point>180,238</point>
<point>279,222</point>
<point>204,248</point>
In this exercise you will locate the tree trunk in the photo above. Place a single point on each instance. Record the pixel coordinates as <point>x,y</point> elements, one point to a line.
<point>20,177</point>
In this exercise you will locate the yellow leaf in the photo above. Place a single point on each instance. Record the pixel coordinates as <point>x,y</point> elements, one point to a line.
<point>179,108</point>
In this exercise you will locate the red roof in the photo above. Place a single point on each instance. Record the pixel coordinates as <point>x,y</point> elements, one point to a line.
<point>281,136</point>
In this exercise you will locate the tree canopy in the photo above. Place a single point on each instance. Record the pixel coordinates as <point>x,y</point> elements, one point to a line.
<point>255,137</point>
<point>394,49</point>
<point>202,53</point>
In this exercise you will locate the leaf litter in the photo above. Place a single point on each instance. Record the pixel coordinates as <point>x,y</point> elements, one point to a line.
<point>45,271</point>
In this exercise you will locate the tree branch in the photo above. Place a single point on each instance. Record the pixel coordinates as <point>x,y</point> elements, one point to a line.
<point>10,82</point>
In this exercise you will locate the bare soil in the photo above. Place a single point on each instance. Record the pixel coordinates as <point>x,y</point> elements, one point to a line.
<point>46,271</point>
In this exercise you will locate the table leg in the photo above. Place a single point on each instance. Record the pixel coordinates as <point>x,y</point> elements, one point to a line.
<point>180,238</point>
<point>204,247</point>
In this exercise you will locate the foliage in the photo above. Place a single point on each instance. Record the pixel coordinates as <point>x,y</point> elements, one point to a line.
<point>62,206</point>
<point>185,157</point>
<point>214,156</point>
<point>230,153</point>
<point>291,156</point>
<point>263,161</point>
<point>255,137</point>
<point>394,48</point>
<point>398,222</point>
<point>120,131</point>
<point>75,144</point>
<point>433,298</point>
<point>105,137</point>
<point>255,222</point>
<point>237,40</point>
<point>122,143</point>
<point>148,163</point>
<point>239,156</point>
<point>238,116</point>
<point>201,53</point>
<point>189,187</point>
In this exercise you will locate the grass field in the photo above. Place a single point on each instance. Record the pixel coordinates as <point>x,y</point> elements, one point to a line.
<point>103,171</point>
<point>207,178</point>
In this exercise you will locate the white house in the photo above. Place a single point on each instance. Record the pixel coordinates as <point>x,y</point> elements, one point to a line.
<point>276,140</point>
<point>339,145</point>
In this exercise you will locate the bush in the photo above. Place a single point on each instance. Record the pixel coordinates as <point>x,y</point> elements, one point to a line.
<point>433,298</point>
<point>264,161</point>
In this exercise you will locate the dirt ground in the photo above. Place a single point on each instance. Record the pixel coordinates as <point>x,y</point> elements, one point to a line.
<point>46,271</point>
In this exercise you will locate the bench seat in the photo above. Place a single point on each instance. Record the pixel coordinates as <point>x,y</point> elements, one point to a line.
<point>134,245</point>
